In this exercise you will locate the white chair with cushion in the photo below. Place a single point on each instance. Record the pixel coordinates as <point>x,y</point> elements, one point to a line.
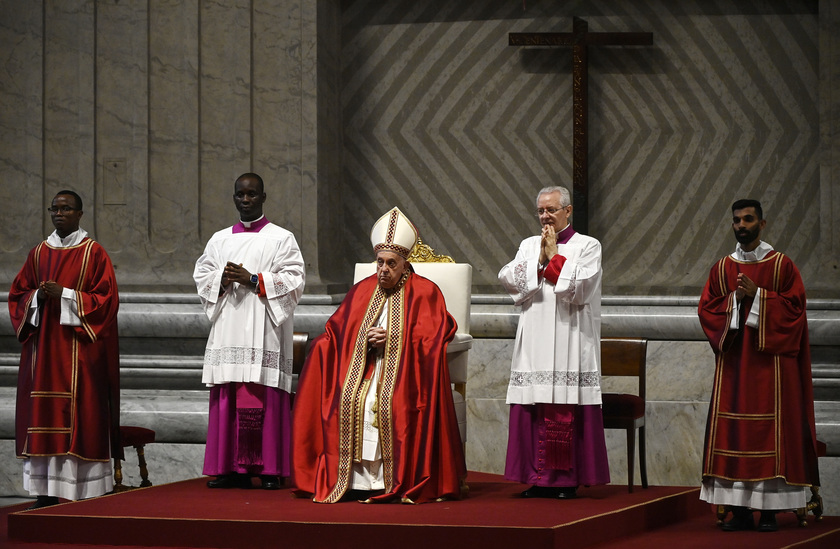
<point>455,282</point>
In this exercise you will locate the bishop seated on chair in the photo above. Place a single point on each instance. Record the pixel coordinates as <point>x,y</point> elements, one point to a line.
<point>374,416</point>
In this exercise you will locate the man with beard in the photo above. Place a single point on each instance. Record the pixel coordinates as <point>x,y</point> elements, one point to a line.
<point>63,305</point>
<point>556,434</point>
<point>760,449</point>
<point>374,418</point>
<point>250,279</point>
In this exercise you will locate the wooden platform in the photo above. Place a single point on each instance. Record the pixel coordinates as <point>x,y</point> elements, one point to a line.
<point>188,514</point>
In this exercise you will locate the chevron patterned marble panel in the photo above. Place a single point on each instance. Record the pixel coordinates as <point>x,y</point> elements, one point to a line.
<point>445,120</point>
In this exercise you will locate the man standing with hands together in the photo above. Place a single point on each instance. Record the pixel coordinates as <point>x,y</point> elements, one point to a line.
<point>760,450</point>
<point>556,437</point>
<point>250,279</point>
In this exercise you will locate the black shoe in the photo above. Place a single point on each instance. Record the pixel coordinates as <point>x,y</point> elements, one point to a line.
<point>567,493</point>
<point>270,482</point>
<point>233,480</point>
<point>43,501</point>
<point>742,519</point>
<point>767,522</point>
<point>540,492</point>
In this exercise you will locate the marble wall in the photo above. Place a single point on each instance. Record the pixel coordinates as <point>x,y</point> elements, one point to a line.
<point>151,108</point>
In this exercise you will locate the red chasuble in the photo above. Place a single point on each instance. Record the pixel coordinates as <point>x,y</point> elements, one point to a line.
<point>421,447</point>
<point>761,415</point>
<point>68,382</point>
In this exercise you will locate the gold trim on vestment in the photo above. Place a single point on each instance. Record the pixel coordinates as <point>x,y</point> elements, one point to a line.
<point>359,411</point>
<point>347,421</point>
<point>80,304</point>
<point>732,415</point>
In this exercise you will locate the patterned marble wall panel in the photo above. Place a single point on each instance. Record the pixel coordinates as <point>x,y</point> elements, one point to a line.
<point>225,79</point>
<point>830,125</point>
<point>679,370</point>
<point>321,175</point>
<point>173,132</point>
<point>122,111</point>
<point>69,111</point>
<point>21,133</point>
<point>277,87</point>
<point>445,120</point>
<point>11,471</point>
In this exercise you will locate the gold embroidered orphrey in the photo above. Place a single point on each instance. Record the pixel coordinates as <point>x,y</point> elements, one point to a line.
<point>350,393</point>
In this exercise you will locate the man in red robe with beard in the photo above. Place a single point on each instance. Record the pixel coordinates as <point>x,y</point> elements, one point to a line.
<point>63,305</point>
<point>374,418</point>
<point>760,451</point>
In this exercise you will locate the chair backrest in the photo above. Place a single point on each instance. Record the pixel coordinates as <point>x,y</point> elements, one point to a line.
<point>625,357</point>
<point>453,279</point>
<point>300,344</point>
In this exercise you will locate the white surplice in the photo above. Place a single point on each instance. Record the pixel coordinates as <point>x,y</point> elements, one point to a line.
<point>557,352</point>
<point>251,338</point>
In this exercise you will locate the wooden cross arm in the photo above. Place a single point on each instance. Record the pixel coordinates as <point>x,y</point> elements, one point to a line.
<point>588,39</point>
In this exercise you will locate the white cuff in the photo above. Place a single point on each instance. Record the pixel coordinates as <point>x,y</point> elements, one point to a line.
<point>69,309</point>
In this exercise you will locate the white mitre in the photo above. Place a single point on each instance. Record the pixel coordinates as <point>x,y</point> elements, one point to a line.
<point>393,232</point>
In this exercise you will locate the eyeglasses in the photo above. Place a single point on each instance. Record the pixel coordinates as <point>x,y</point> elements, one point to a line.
<point>63,209</point>
<point>550,211</point>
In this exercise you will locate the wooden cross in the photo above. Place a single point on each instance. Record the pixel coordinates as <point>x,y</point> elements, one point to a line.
<point>579,39</point>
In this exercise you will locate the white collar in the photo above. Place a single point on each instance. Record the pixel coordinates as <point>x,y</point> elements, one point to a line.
<point>247,224</point>
<point>71,239</point>
<point>759,253</point>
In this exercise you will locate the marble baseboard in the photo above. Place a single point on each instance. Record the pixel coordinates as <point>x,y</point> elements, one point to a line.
<point>11,470</point>
<point>674,441</point>
<point>166,463</point>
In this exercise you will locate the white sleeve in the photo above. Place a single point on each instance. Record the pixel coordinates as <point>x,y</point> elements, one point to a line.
<point>33,314</point>
<point>580,277</point>
<point>285,281</point>
<point>69,309</point>
<point>208,281</point>
<point>752,316</point>
<point>520,277</point>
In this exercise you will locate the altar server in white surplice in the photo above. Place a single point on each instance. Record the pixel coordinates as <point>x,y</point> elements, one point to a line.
<point>250,279</point>
<point>556,435</point>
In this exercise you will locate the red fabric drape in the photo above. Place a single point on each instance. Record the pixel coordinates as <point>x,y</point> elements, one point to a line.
<point>761,416</point>
<point>68,382</point>
<point>427,459</point>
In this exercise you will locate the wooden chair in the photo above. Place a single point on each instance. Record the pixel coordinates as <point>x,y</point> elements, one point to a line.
<point>626,357</point>
<point>815,504</point>
<point>300,346</point>
<point>138,437</point>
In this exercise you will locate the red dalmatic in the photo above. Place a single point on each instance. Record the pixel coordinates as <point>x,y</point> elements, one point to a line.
<point>421,447</point>
<point>761,416</point>
<point>68,382</point>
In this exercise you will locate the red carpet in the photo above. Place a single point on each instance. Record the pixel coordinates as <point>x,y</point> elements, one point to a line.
<point>187,514</point>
